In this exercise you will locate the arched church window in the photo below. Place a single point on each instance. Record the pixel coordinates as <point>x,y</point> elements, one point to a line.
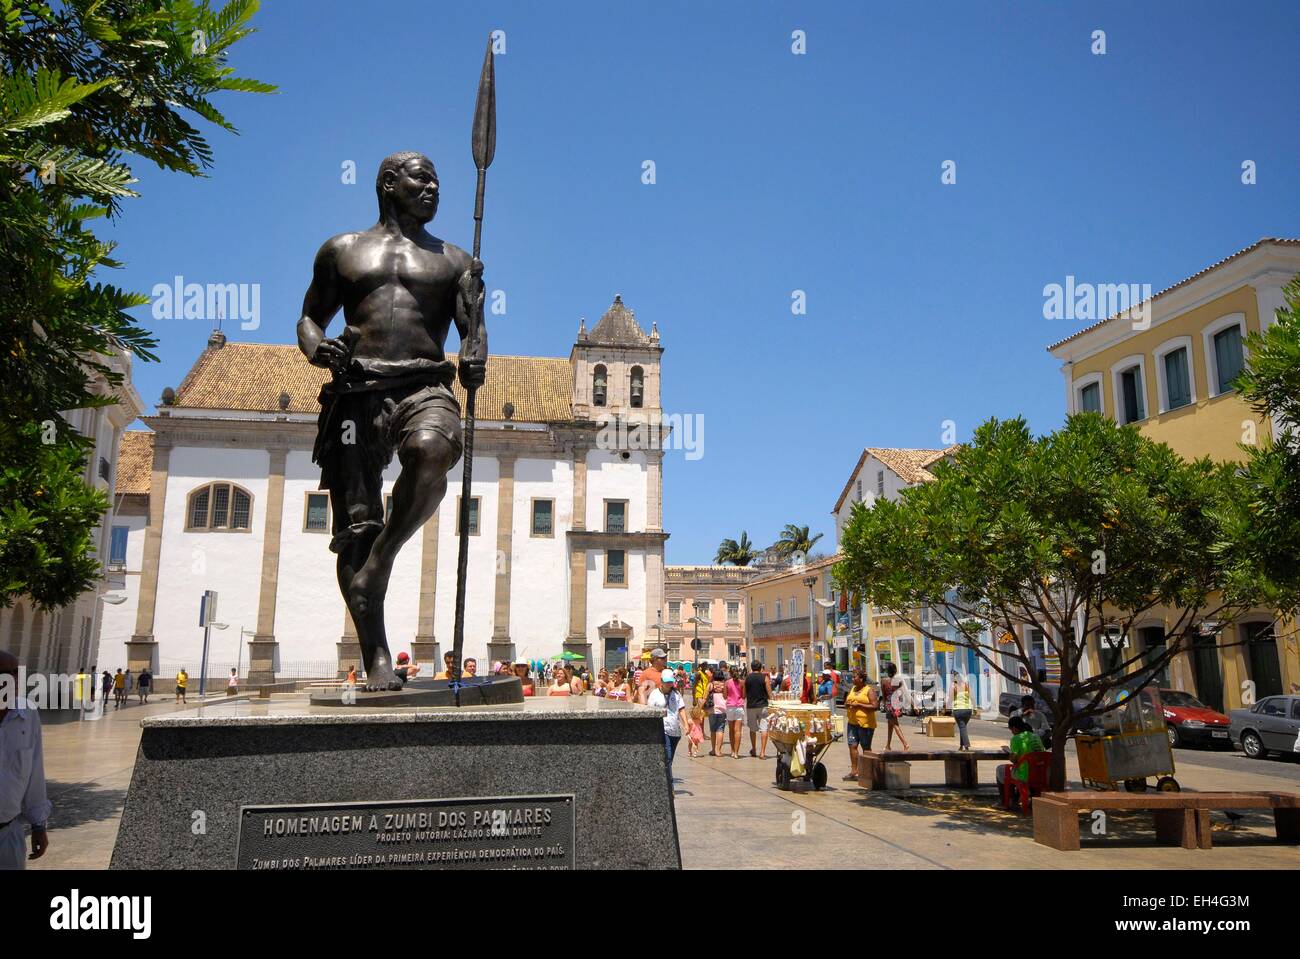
<point>219,506</point>
<point>599,383</point>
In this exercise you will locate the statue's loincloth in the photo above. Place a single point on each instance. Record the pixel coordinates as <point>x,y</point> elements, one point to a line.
<point>385,401</point>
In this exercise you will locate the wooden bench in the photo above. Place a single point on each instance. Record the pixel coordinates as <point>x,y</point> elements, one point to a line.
<point>960,768</point>
<point>1181,818</point>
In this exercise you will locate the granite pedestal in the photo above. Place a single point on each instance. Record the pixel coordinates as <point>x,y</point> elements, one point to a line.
<point>598,766</point>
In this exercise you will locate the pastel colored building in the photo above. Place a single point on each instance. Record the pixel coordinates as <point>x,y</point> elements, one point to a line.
<point>784,615</point>
<point>714,595</point>
<point>1170,373</point>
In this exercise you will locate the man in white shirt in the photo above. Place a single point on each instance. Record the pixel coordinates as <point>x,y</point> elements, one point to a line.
<point>22,772</point>
<point>666,697</point>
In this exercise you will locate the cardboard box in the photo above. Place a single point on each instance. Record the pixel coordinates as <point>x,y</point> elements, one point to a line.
<point>942,727</point>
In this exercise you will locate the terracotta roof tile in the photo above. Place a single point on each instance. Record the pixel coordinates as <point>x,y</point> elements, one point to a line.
<point>1283,241</point>
<point>910,465</point>
<point>618,327</point>
<point>135,462</point>
<point>251,377</point>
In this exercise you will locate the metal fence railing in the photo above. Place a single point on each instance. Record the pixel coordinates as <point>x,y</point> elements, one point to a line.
<point>219,670</point>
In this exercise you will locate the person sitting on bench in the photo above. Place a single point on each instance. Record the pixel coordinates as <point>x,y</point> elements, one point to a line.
<point>1023,742</point>
<point>1028,711</point>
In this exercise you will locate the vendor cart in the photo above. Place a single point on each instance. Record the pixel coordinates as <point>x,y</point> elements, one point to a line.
<point>790,724</point>
<point>1132,745</point>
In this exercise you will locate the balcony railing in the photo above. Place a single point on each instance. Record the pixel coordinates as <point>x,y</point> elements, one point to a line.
<point>794,625</point>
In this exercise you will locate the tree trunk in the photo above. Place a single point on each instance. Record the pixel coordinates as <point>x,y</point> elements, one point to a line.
<point>1060,733</point>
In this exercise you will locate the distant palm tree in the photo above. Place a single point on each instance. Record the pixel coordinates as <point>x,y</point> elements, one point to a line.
<point>795,539</point>
<point>738,554</point>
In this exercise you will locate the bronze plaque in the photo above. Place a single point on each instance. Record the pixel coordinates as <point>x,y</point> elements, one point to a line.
<point>492,832</point>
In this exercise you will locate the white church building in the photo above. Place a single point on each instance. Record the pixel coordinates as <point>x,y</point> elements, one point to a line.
<point>566,529</point>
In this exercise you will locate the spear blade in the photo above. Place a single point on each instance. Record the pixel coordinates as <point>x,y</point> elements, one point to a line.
<point>485,114</point>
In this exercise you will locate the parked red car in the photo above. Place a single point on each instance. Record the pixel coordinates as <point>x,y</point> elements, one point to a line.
<point>1191,722</point>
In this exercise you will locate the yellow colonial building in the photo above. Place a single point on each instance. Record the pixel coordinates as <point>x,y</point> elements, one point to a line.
<point>1168,368</point>
<point>784,612</point>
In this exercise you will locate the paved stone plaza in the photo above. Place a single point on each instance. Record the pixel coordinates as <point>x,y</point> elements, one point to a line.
<point>731,815</point>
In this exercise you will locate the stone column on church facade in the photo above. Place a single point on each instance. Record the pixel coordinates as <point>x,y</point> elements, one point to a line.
<point>578,554</point>
<point>500,646</point>
<point>654,599</point>
<point>349,647</point>
<point>262,647</point>
<point>424,648</point>
<point>655,491</point>
<point>142,646</point>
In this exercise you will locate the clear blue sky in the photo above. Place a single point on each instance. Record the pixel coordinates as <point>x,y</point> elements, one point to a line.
<point>776,173</point>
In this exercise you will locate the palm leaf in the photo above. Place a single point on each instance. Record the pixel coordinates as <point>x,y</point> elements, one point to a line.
<point>27,102</point>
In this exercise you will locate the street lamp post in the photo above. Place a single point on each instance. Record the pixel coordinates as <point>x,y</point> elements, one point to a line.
<point>695,645</point>
<point>240,654</point>
<point>825,604</point>
<point>810,582</point>
<point>203,667</point>
<point>659,629</point>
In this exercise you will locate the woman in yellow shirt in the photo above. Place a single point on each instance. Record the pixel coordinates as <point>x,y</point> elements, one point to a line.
<point>860,704</point>
<point>962,708</point>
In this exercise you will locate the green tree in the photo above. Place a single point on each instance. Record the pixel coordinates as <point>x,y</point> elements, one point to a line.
<point>46,549</point>
<point>795,540</point>
<point>83,85</point>
<point>1264,522</point>
<point>740,553</point>
<point>1081,533</point>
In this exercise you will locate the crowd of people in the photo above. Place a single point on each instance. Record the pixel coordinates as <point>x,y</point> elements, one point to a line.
<point>119,686</point>
<point>714,704</point>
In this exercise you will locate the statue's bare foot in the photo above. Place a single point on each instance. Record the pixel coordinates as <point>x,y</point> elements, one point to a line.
<point>380,674</point>
<point>382,678</point>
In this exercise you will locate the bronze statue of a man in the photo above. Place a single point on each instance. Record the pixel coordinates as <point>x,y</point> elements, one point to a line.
<point>400,289</point>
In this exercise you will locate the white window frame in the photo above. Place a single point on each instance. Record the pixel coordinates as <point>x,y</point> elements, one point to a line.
<point>210,486</point>
<point>1169,346</point>
<point>532,517</point>
<point>733,604</point>
<point>609,584</point>
<point>1140,361</point>
<point>1076,391</point>
<point>306,509</point>
<point>1212,357</point>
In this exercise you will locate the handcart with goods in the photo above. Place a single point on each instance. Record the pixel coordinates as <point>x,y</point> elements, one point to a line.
<point>1131,745</point>
<point>801,732</point>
